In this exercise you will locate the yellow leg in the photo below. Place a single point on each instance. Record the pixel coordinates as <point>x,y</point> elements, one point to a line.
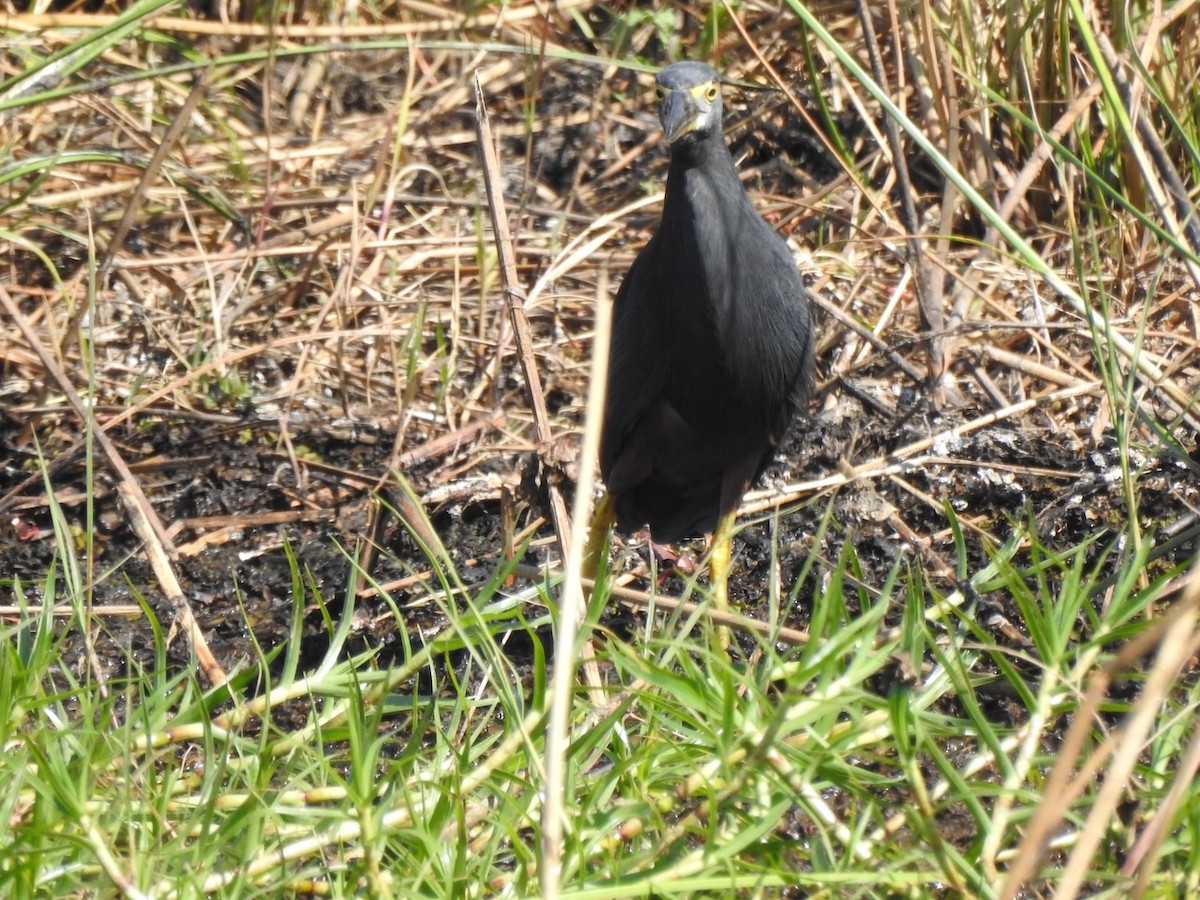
<point>598,530</point>
<point>720,563</point>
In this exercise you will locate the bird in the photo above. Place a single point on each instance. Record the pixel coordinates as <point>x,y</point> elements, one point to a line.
<point>711,351</point>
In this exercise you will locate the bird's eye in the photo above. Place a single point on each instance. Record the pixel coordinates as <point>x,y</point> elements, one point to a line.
<point>659,93</point>
<point>711,93</point>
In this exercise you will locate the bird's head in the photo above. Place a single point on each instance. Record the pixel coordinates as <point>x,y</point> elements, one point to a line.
<point>689,100</point>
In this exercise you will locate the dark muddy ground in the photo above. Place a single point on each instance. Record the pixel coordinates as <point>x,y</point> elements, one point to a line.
<point>248,481</point>
<point>238,504</point>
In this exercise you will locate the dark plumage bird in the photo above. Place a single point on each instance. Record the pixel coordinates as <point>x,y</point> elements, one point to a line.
<point>711,352</point>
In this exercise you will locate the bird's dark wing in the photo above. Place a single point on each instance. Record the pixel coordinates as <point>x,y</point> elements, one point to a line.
<point>709,360</point>
<point>759,306</point>
<point>656,455</point>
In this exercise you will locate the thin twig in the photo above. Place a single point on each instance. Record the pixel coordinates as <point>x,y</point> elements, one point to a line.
<point>573,610</point>
<point>134,206</point>
<point>932,317</point>
<point>513,297</point>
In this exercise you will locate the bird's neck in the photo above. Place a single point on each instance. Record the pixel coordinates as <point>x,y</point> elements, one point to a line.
<point>711,158</point>
<point>708,152</point>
